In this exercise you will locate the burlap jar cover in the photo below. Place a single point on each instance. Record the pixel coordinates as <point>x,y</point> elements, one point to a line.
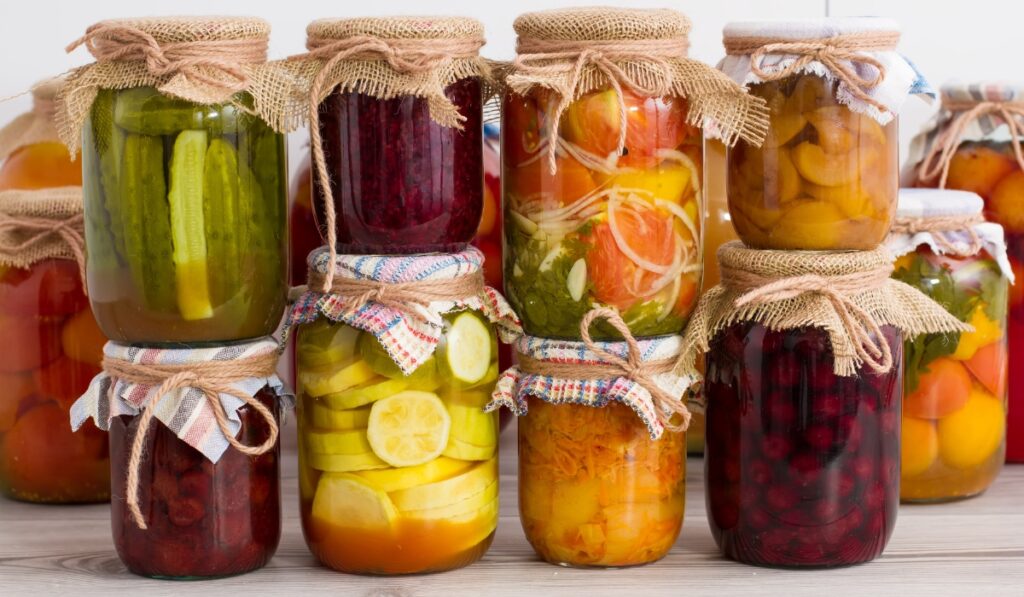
<point>38,224</point>
<point>858,53</point>
<point>574,51</point>
<point>850,295</point>
<point>194,392</point>
<point>970,112</point>
<point>401,300</point>
<point>205,60</point>
<point>641,374</point>
<point>949,223</point>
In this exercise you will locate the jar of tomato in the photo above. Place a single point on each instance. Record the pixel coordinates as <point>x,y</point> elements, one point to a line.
<point>603,181</point>
<point>398,469</point>
<point>52,347</point>
<point>954,409</point>
<point>602,457</point>
<point>827,175</point>
<point>971,147</point>
<point>398,133</point>
<point>803,390</point>
<point>185,198</point>
<point>199,495</point>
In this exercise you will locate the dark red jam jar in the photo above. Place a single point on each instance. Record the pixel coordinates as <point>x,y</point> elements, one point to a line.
<point>204,519</point>
<point>402,183</point>
<point>801,465</point>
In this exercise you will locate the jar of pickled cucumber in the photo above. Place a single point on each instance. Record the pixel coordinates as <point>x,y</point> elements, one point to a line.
<point>199,497</point>
<point>398,468</point>
<point>184,181</point>
<point>399,132</point>
<point>602,467</point>
<point>983,159</point>
<point>954,408</point>
<point>803,390</point>
<point>603,187</point>
<point>827,175</point>
<point>52,346</point>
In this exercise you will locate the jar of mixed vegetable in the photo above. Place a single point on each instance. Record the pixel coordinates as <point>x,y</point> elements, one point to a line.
<point>398,469</point>
<point>983,158</point>
<point>52,347</point>
<point>803,388</point>
<point>603,181</point>
<point>401,139</point>
<point>954,409</point>
<point>827,175</point>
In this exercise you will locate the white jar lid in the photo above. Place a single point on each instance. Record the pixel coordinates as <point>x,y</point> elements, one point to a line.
<point>932,203</point>
<point>809,28</point>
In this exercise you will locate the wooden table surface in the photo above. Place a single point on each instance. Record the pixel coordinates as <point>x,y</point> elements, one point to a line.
<point>974,547</point>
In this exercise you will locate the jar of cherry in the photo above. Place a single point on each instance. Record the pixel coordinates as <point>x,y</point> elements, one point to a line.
<point>803,388</point>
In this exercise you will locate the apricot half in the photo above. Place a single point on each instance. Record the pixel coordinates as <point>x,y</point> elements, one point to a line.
<point>781,184</point>
<point>978,169</point>
<point>786,120</point>
<point>808,225</point>
<point>1006,202</point>
<point>941,390</point>
<point>852,199</point>
<point>970,436</point>
<point>821,168</point>
<point>919,447</point>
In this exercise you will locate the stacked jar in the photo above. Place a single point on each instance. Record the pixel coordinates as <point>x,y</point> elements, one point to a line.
<point>602,184</point>
<point>954,408</point>
<point>397,334</point>
<point>53,346</point>
<point>974,144</point>
<point>804,334</point>
<point>184,193</point>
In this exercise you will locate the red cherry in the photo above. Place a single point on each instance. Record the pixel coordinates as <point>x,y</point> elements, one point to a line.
<point>820,437</point>
<point>776,447</point>
<point>781,498</point>
<point>759,472</point>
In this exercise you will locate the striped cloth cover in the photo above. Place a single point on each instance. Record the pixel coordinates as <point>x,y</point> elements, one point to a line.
<point>409,339</point>
<point>514,387</point>
<point>184,411</point>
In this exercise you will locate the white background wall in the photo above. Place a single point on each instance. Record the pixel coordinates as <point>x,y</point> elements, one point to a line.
<point>945,38</point>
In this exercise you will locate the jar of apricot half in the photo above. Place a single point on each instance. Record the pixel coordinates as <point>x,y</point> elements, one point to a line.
<point>826,176</point>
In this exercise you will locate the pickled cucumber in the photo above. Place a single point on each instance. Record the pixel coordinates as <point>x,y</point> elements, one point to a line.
<point>187,225</point>
<point>221,221</point>
<point>146,111</point>
<point>99,242</point>
<point>371,351</point>
<point>109,141</point>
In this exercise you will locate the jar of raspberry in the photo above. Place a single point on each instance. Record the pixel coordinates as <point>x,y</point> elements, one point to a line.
<point>803,387</point>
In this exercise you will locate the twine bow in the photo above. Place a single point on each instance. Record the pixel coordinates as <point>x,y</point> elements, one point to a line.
<point>939,157</point>
<point>866,335</point>
<point>212,379</point>
<point>23,232</point>
<point>35,230</point>
<point>409,56</point>
<point>839,54</point>
<point>632,367</point>
<point>568,60</point>
<point>937,225</point>
<point>196,60</point>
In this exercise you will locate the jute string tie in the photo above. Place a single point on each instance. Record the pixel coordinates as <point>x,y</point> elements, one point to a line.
<point>212,379</point>
<point>194,60</point>
<point>869,343</point>
<point>936,225</point>
<point>940,155</point>
<point>832,52</point>
<point>543,58</point>
<point>632,367</point>
<point>408,56</point>
<point>36,230</point>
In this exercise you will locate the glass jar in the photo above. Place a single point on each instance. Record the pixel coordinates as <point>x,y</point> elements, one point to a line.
<point>401,182</point>
<point>52,349</point>
<point>801,465</point>
<point>398,473</point>
<point>185,205</point>
<point>595,489</point>
<point>826,177</point>
<point>989,168</point>
<point>622,231</point>
<point>303,236</point>
<point>954,407</point>
<point>204,519</point>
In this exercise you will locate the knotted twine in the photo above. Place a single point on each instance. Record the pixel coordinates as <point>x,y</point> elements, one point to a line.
<point>212,378</point>
<point>633,367</point>
<point>40,224</point>
<point>385,58</point>
<point>937,225</point>
<point>205,60</point>
<point>831,52</point>
<point>848,294</point>
<point>936,162</point>
<point>572,52</point>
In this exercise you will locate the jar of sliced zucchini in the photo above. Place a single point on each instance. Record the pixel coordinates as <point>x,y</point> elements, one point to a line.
<point>185,218</point>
